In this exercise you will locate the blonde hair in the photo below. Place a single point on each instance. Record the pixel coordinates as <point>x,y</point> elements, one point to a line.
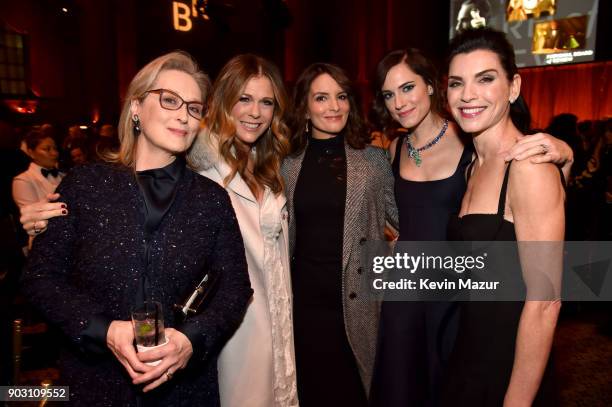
<point>272,146</point>
<point>142,82</point>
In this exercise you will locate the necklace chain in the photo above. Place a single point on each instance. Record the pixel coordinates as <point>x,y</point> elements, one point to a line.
<point>415,153</point>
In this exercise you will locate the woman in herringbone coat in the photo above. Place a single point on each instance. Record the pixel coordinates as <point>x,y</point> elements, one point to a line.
<point>339,194</point>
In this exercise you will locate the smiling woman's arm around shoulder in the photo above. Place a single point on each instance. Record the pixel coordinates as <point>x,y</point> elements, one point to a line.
<point>536,198</point>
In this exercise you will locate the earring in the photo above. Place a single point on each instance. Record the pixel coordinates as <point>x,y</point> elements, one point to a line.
<point>511,100</point>
<point>307,129</point>
<point>136,123</point>
<point>429,90</point>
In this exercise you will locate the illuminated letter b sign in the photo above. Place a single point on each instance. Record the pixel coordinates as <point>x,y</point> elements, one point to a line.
<point>181,16</point>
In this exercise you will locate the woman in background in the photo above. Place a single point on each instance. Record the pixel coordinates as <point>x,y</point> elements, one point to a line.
<point>241,146</point>
<point>40,179</point>
<point>339,193</point>
<point>42,176</point>
<point>142,226</point>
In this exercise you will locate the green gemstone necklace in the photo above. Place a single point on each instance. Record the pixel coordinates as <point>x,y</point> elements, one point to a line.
<point>415,153</point>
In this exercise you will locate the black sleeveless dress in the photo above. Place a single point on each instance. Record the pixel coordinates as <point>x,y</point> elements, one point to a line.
<point>415,338</point>
<point>481,362</point>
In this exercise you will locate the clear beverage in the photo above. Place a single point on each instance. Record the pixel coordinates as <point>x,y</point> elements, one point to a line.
<point>148,322</point>
<point>144,332</point>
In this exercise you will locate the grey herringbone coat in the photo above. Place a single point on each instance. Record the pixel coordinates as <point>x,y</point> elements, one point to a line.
<point>370,201</point>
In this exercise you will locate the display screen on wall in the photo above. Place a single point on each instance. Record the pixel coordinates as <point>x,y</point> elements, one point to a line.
<point>543,32</point>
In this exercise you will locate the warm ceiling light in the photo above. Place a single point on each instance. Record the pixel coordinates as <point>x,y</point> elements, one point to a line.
<point>64,9</point>
<point>22,106</point>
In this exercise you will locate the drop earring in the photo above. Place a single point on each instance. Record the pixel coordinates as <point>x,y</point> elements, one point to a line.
<point>136,123</point>
<point>307,127</point>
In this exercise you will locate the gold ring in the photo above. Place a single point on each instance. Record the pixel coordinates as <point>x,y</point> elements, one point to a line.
<point>168,374</point>
<point>36,230</point>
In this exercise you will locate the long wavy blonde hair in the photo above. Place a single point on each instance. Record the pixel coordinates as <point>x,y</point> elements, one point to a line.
<point>142,82</point>
<point>272,146</point>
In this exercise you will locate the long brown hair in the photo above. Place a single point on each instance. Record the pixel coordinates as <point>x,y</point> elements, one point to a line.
<point>272,146</point>
<point>420,65</point>
<point>354,132</point>
<point>142,82</point>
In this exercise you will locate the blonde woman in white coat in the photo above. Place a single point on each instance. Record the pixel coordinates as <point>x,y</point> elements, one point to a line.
<point>241,146</point>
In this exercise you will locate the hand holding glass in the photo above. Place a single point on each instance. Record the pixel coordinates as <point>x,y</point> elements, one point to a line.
<point>148,322</point>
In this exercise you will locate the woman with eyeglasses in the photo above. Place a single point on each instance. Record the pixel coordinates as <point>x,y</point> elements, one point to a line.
<point>143,227</point>
<point>241,146</point>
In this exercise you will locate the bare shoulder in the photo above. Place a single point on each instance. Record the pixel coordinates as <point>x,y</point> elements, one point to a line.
<point>535,182</point>
<point>536,199</point>
<point>526,171</point>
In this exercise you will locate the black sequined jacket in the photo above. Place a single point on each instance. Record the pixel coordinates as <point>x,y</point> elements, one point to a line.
<point>84,272</point>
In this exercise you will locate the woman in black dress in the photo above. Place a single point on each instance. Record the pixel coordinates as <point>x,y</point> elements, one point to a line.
<point>339,193</point>
<point>429,162</point>
<point>142,226</point>
<point>501,356</point>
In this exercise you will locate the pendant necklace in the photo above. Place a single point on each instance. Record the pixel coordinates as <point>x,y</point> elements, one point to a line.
<point>415,153</point>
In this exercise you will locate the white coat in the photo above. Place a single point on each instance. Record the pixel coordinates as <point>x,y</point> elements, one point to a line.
<point>248,362</point>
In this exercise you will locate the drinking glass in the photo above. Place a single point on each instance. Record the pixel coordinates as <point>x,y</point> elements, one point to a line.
<point>148,322</point>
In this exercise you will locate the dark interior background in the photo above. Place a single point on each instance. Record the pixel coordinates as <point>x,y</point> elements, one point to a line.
<point>82,60</point>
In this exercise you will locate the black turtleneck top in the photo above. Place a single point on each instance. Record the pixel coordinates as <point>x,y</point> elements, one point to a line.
<point>319,201</point>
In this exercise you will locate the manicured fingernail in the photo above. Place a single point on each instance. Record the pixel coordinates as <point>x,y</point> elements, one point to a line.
<point>63,206</point>
<point>64,212</point>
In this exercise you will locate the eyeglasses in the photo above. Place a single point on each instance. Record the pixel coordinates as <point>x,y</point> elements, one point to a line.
<point>169,100</point>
